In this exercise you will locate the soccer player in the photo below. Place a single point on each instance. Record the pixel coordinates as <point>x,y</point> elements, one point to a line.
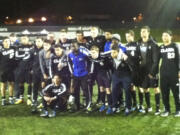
<point>169,73</point>
<point>14,40</point>
<point>134,56</point>
<point>78,66</point>
<point>149,67</point>
<point>23,71</point>
<point>108,37</point>
<point>59,66</point>
<point>44,60</point>
<point>64,41</point>
<point>7,63</point>
<point>51,39</point>
<point>95,39</point>
<point>100,65</point>
<point>36,71</point>
<point>51,94</point>
<point>121,74</point>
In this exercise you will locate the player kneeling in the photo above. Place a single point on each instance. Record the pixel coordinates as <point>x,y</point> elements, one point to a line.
<point>51,94</point>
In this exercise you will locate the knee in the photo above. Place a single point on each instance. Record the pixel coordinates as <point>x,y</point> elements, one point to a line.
<point>108,91</point>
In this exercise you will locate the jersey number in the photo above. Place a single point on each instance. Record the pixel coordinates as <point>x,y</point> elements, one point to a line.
<point>171,55</point>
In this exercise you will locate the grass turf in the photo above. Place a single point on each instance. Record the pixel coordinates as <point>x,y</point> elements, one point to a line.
<point>18,120</point>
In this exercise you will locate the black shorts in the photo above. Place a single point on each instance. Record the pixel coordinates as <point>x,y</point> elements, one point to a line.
<point>23,75</point>
<point>149,83</point>
<point>136,78</point>
<point>103,79</point>
<point>7,77</point>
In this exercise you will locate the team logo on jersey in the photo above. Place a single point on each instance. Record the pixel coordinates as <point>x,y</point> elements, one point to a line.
<point>80,59</point>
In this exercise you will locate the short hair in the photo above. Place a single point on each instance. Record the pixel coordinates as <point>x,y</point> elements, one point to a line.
<point>168,32</point>
<point>109,30</point>
<point>58,46</point>
<point>40,38</point>
<point>57,75</point>
<point>115,47</point>
<point>12,35</point>
<point>47,41</point>
<point>147,28</point>
<point>79,32</point>
<point>131,32</point>
<point>94,47</point>
<point>63,30</point>
<point>94,28</point>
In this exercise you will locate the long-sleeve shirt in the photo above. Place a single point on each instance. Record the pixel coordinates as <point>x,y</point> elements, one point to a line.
<point>44,62</point>
<point>78,64</point>
<point>55,61</point>
<point>52,90</point>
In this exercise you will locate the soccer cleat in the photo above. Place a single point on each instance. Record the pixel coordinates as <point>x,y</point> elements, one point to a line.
<point>71,99</point>
<point>29,102</point>
<point>3,103</point>
<point>177,114</point>
<point>40,106</point>
<point>165,114</point>
<point>109,111</point>
<point>134,108</point>
<point>11,101</point>
<point>19,101</point>
<point>158,112</point>
<point>127,112</point>
<point>52,114</point>
<point>141,109</point>
<point>89,109</point>
<point>44,113</point>
<point>149,109</point>
<point>102,108</point>
<point>116,110</point>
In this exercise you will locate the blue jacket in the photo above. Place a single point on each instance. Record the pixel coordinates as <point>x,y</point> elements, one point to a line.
<point>78,64</point>
<point>107,47</point>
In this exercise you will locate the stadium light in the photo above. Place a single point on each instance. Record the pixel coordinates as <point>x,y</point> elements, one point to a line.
<point>30,20</point>
<point>7,17</point>
<point>43,19</point>
<point>19,21</point>
<point>69,18</point>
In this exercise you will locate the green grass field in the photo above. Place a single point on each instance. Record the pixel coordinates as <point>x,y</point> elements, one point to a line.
<point>18,120</point>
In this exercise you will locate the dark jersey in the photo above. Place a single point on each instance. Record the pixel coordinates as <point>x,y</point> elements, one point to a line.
<point>134,55</point>
<point>55,61</point>
<point>54,91</point>
<point>34,54</point>
<point>170,59</point>
<point>66,45</point>
<point>149,56</point>
<point>101,64</point>
<point>7,59</point>
<point>23,56</point>
<point>23,52</point>
<point>98,41</point>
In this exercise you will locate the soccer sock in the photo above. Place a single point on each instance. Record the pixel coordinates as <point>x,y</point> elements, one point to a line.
<point>29,89</point>
<point>157,99</point>
<point>133,94</point>
<point>29,96</point>
<point>109,98</point>
<point>140,98</point>
<point>102,95</point>
<point>147,98</point>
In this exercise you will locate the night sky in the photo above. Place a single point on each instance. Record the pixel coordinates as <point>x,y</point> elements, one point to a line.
<point>153,10</point>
